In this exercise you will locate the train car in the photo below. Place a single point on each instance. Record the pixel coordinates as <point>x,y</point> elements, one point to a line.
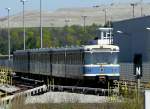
<point>5,62</point>
<point>54,62</point>
<point>93,61</point>
<point>67,62</point>
<point>21,61</point>
<point>101,58</point>
<point>40,62</point>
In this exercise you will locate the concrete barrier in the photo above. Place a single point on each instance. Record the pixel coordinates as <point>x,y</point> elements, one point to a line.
<point>147,99</point>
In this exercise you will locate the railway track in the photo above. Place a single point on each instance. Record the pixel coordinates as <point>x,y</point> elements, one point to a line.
<point>26,84</point>
<point>71,89</point>
<point>28,88</point>
<point>83,90</point>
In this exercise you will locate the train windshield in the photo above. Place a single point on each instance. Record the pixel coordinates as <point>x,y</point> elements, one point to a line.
<point>101,58</point>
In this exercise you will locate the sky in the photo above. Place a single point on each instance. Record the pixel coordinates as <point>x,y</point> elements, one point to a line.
<point>51,5</point>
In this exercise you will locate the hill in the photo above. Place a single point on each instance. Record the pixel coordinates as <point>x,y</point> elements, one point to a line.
<point>73,16</point>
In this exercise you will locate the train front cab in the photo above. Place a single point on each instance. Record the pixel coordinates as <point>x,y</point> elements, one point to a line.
<point>101,66</point>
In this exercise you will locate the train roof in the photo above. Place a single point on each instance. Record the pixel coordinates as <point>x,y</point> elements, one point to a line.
<point>72,48</point>
<point>111,47</point>
<point>50,49</point>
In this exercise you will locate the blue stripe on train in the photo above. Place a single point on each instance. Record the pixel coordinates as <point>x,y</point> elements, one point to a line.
<point>101,70</point>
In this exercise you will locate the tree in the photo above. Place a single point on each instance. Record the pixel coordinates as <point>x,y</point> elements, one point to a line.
<point>52,37</point>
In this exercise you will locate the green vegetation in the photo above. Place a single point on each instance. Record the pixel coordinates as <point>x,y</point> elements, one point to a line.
<point>52,37</point>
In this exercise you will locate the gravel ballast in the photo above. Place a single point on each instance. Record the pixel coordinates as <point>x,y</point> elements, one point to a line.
<point>65,97</point>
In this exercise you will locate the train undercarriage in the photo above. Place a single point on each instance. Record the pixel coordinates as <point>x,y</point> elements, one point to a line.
<point>95,82</point>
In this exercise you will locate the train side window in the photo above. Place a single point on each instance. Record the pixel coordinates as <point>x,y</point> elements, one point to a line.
<point>70,59</point>
<point>67,58</point>
<point>32,57</point>
<point>47,58</point>
<point>57,58</point>
<point>75,58</point>
<point>54,58</point>
<point>78,58</point>
<point>44,57</point>
<point>60,58</point>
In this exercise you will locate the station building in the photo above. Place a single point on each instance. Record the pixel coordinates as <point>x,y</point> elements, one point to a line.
<point>133,38</point>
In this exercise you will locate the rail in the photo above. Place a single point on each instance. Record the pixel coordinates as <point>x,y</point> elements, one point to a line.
<point>85,90</point>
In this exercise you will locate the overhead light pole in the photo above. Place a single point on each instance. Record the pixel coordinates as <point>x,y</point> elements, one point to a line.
<point>84,22</point>
<point>41,29</point>
<point>133,6</point>
<point>8,10</point>
<point>111,13</point>
<point>141,8</point>
<point>105,12</point>
<point>23,22</point>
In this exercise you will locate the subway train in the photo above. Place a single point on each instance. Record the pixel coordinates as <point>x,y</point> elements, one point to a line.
<point>95,61</point>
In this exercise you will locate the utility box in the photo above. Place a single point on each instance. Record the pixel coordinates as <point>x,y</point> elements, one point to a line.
<point>138,65</point>
<point>147,99</point>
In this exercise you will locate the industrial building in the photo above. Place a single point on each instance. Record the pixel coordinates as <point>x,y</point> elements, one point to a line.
<point>133,38</point>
